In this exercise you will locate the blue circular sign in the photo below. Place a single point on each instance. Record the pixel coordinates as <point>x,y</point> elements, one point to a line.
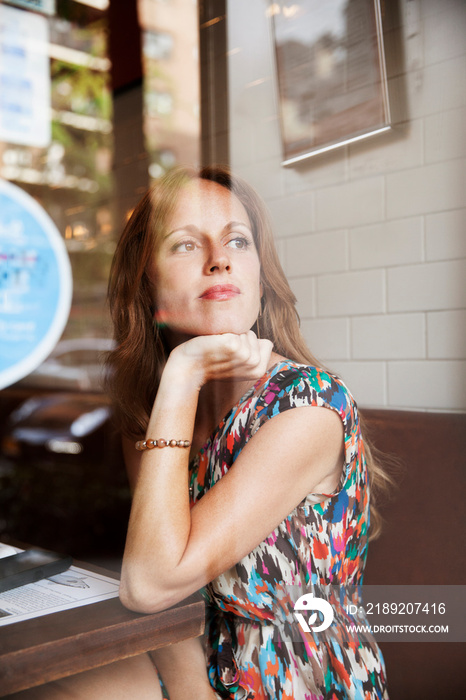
<point>35,284</point>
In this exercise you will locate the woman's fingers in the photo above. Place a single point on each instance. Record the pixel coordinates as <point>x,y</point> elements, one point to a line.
<point>259,352</point>
<point>228,355</point>
<point>242,356</point>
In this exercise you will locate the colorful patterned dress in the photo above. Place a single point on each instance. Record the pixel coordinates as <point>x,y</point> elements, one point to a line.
<point>255,647</point>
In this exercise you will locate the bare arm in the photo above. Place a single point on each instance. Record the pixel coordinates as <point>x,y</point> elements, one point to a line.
<point>182,666</point>
<point>173,551</point>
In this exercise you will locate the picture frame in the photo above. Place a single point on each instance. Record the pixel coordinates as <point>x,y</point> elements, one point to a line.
<point>331,75</point>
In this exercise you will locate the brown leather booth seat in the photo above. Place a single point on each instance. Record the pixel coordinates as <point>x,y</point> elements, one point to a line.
<point>423,539</point>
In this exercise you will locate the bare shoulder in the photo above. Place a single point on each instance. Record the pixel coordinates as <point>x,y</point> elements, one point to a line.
<point>310,432</point>
<point>299,427</point>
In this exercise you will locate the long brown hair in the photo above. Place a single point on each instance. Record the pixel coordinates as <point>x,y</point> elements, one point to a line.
<point>141,351</point>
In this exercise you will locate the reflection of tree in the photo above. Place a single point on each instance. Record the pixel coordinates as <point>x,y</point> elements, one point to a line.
<point>81,90</point>
<point>81,127</point>
<point>81,99</point>
<point>312,72</point>
<point>329,76</point>
<point>79,26</point>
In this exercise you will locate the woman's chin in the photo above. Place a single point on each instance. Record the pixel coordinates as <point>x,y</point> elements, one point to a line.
<point>217,326</point>
<point>220,328</point>
<point>216,329</point>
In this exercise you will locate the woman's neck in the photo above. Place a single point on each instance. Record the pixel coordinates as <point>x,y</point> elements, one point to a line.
<point>215,401</point>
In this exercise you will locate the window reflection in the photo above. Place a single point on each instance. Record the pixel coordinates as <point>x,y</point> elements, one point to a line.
<point>171,82</point>
<point>58,78</point>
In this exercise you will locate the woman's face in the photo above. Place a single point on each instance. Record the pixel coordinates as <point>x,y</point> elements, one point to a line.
<point>206,274</point>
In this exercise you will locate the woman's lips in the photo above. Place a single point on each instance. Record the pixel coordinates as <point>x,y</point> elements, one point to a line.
<point>220,292</point>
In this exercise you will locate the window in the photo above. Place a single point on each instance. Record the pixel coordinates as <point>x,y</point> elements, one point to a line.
<point>157,45</point>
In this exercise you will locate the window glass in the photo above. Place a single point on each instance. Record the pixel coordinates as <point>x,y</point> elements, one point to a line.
<point>171,83</point>
<point>63,140</point>
<point>157,45</point>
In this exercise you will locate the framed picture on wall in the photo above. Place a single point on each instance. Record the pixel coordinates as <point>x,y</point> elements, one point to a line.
<point>332,83</point>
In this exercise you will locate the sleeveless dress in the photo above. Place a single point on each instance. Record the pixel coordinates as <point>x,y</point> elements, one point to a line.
<point>255,648</point>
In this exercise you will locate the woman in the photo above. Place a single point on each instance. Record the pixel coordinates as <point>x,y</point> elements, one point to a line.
<point>249,500</point>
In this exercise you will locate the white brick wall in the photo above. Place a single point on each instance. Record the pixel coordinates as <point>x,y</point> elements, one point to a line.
<point>341,294</point>
<point>436,187</point>
<point>445,135</point>
<point>373,235</point>
<point>388,337</point>
<point>305,290</point>
<point>317,253</point>
<point>350,204</point>
<point>446,235</point>
<point>328,338</point>
<point>293,214</point>
<point>388,243</point>
<point>446,334</point>
<point>439,285</point>
<point>439,384</point>
<point>366,380</point>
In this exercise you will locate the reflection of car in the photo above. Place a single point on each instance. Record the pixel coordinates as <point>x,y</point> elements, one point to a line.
<point>74,426</point>
<point>73,364</point>
<point>62,478</point>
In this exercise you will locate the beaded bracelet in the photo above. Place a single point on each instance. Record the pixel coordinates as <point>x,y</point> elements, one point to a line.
<point>142,445</point>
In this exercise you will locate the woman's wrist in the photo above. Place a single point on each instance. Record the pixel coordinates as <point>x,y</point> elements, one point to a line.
<point>182,372</point>
<point>175,406</point>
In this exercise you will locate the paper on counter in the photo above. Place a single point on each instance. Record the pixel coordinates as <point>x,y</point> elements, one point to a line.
<point>6,550</point>
<point>71,589</point>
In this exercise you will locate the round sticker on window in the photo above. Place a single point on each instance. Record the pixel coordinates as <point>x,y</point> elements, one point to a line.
<point>35,284</point>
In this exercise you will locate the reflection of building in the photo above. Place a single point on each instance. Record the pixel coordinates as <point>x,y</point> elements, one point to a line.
<point>92,162</point>
<point>73,166</point>
<point>171,82</point>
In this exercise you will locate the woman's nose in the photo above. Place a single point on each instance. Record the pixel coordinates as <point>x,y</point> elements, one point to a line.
<point>218,259</point>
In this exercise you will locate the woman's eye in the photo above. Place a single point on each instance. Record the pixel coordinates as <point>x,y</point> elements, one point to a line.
<point>184,246</point>
<point>239,243</point>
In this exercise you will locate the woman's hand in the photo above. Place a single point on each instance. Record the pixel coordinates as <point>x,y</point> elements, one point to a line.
<point>220,357</point>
